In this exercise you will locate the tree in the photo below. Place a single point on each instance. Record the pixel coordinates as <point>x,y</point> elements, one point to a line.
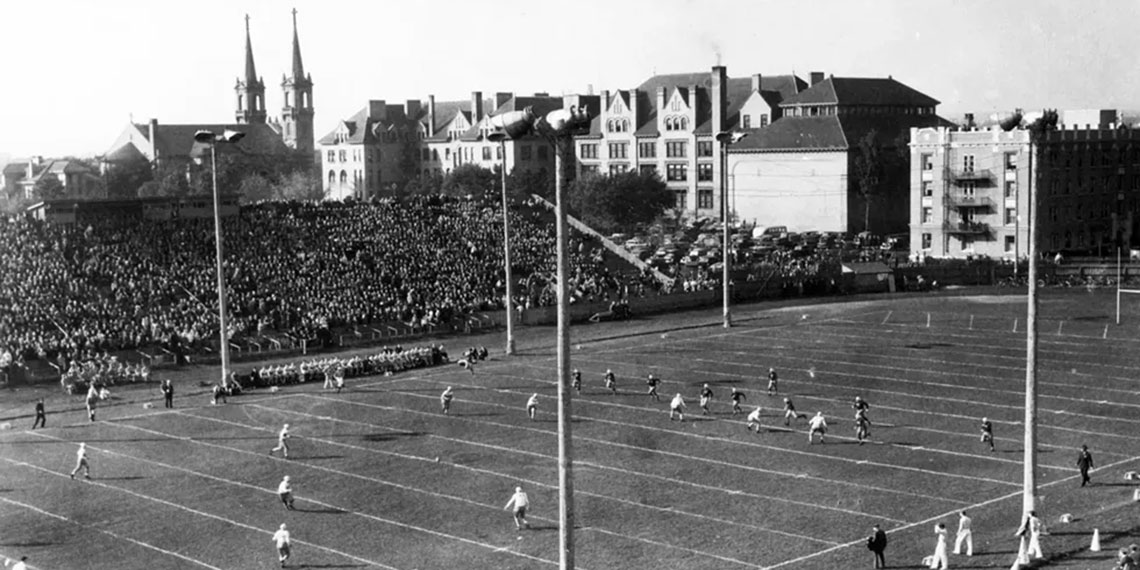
<point>620,202</point>
<point>299,186</point>
<point>124,180</point>
<point>255,188</point>
<point>49,187</point>
<point>469,179</point>
<point>424,185</point>
<point>173,184</point>
<point>521,183</point>
<point>868,172</point>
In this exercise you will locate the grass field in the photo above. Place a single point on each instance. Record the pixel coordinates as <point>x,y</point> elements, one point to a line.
<point>383,480</point>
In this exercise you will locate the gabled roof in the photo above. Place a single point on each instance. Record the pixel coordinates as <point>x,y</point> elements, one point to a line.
<point>178,140</point>
<point>774,88</point>
<point>861,91</point>
<point>795,133</point>
<point>125,154</point>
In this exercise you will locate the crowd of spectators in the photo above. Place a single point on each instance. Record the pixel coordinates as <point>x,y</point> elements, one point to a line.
<point>387,360</point>
<point>73,291</point>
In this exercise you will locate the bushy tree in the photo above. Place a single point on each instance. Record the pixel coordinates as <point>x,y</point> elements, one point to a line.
<point>469,179</point>
<point>255,188</point>
<point>124,180</point>
<point>299,186</point>
<point>621,202</point>
<point>49,187</point>
<point>521,183</point>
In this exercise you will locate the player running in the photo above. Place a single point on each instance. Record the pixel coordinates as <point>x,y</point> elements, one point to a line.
<point>282,442</point>
<point>92,399</point>
<point>219,393</point>
<point>285,491</point>
<point>520,502</point>
<point>652,381</point>
<point>860,405</point>
<point>81,462</point>
<point>790,412</point>
<point>862,426</point>
<point>677,406</point>
<point>736,397</point>
<point>988,433</point>
<point>532,406</point>
<point>611,381</point>
<point>706,395</point>
<point>445,400</point>
<point>577,376</point>
<point>817,425</point>
<point>281,538</point>
<point>754,420</point>
<point>772,381</point>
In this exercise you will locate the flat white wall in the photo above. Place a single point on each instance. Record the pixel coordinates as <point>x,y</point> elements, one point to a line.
<point>802,190</point>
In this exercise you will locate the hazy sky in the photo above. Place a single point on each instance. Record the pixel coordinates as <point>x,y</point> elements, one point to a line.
<point>78,70</point>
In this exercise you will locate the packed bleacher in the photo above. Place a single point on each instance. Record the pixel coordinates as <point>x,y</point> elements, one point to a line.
<point>73,293</point>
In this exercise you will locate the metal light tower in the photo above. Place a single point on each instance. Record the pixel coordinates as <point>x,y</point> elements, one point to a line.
<point>501,137</point>
<point>726,138</point>
<point>558,127</point>
<point>212,139</point>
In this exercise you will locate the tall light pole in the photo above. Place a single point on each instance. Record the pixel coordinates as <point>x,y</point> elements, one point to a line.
<point>558,127</point>
<point>726,138</point>
<point>501,137</point>
<point>213,139</point>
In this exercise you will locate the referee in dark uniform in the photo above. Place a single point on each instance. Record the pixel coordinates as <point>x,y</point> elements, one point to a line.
<point>41,416</point>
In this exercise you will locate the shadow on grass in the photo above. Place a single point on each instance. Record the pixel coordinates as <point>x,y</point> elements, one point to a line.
<point>332,566</point>
<point>321,457</point>
<point>33,544</point>
<point>130,478</point>
<point>476,414</point>
<point>391,435</point>
<point>332,511</point>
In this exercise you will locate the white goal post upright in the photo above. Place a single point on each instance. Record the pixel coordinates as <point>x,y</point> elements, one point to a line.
<point>1120,291</point>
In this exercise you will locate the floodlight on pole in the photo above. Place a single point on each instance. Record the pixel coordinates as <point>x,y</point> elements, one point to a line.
<point>213,139</point>
<point>501,137</point>
<point>726,138</point>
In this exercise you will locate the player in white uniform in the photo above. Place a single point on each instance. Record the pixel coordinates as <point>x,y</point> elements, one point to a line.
<point>284,545</point>
<point>285,491</point>
<point>81,462</point>
<point>282,442</point>
<point>677,406</point>
<point>754,420</point>
<point>520,502</point>
<point>532,406</point>
<point>817,425</point>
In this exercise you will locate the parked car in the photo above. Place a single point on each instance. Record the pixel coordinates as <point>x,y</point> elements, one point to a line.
<point>636,244</point>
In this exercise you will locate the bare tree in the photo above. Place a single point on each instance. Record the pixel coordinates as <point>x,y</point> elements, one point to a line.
<point>868,172</point>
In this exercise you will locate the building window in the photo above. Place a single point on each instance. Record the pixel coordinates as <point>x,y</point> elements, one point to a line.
<point>647,169</point>
<point>332,156</point>
<point>1010,243</point>
<point>704,148</point>
<point>499,152</point>
<point>927,188</point>
<point>543,152</point>
<point>649,150</point>
<point>1010,188</point>
<point>1011,161</point>
<point>486,154</point>
<point>675,149</point>
<point>927,214</point>
<point>967,163</point>
<point>332,180</point>
<point>926,241</point>
<point>616,169</point>
<point>705,172</point>
<point>1010,216</point>
<point>589,169</point>
<point>969,189</point>
<point>705,199</point>
<point>619,150</point>
<point>746,121</point>
<point>928,162</point>
<point>676,172</point>
<point>343,177</point>
<point>343,156</point>
<point>588,151</point>
<point>446,156</point>
<point>681,199</point>
<point>763,120</point>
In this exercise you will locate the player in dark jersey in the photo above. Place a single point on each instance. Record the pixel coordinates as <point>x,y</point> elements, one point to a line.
<point>772,380</point>
<point>862,426</point>
<point>652,381</point>
<point>988,432</point>
<point>860,406</point>
<point>706,396</point>
<point>577,378</point>
<point>737,396</point>
<point>790,411</point>
<point>611,381</point>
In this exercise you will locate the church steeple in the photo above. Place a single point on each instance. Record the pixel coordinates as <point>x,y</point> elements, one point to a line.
<point>250,91</point>
<point>297,115</point>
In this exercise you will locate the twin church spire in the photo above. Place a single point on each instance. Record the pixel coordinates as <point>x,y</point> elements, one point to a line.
<point>297,112</point>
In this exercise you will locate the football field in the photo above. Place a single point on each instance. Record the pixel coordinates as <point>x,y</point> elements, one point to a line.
<point>383,479</point>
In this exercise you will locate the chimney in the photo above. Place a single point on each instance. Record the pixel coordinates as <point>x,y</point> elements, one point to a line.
<point>969,119</point>
<point>590,89</point>
<point>605,102</point>
<point>377,110</point>
<point>431,116</point>
<point>661,101</point>
<point>412,109</point>
<point>501,98</point>
<point>756,83</point>
<point>634,95</point>
<point>718,87</point>
<point>476,106</point>
<point>816,77</point>
<point>153,132</point>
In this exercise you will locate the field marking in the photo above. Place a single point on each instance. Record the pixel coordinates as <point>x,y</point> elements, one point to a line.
<point>862,541</point>
<point>547,485</point>
<point>98,529</point>
<point>642,449</point>
<point>188,509</point>
<point>274,492</point>
<point>406,488</point>
<point>886,317</point>
<point>732,441</point>
<point>987,457</point>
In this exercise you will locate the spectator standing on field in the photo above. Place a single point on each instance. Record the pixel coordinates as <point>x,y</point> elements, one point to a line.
<point>940,560</point>
<point>520,502</point>
<point>964,535</point>
<point>41,416</point>
<point>877,544</point>
<point>284,545</point>
<point>1030,533</point>
<point>1084,463</point>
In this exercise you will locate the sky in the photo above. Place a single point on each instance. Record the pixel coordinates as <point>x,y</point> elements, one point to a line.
<point>79,71</point>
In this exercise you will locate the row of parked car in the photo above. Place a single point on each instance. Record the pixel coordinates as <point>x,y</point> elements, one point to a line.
<point>700,246</point>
